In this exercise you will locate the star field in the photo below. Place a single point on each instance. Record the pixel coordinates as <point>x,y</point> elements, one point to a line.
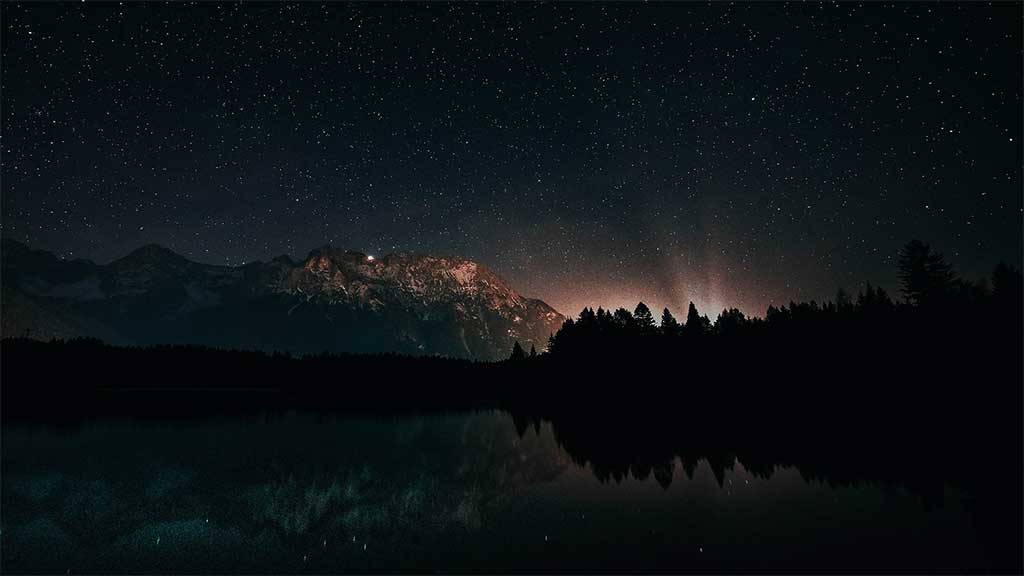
<point>593,154</point>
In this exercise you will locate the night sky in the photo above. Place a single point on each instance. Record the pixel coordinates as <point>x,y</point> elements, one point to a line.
<point>729,154</point>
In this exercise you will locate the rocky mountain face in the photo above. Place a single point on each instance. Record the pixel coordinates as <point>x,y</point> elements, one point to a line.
<point>334,300</point>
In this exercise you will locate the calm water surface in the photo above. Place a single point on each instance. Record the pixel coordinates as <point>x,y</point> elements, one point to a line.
<point>299,492</point>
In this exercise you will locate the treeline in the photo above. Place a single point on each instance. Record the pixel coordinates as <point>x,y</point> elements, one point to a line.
<point>934,297</point>
<point>949,353</point>
<point>80,378</point>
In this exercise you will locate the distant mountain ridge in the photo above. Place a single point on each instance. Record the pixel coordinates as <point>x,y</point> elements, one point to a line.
<point>334,300</point>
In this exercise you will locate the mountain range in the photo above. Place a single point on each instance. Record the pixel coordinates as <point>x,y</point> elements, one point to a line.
<point>334,300</point>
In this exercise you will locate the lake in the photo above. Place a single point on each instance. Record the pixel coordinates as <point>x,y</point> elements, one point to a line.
<point>298,491</point>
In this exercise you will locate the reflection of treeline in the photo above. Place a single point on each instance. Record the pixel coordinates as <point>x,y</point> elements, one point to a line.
<point>933,456</point>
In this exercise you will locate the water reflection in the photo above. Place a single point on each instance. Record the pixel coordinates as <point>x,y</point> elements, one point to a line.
<point>302,491</point>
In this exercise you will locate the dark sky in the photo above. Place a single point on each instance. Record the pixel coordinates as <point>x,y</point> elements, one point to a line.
<point>729,154</point>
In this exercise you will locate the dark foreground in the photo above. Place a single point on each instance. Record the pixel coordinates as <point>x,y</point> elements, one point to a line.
<point>129,460</point>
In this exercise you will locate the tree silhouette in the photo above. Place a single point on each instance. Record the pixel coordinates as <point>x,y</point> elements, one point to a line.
<point>643,318</point>
<point>696,325</point>
<point>873,302</point>
<point>624,319</point>
<point>843,302</point>
<point>669,324</point>
<point>730,321</point>
<point>924,275</point>
<point>533,351</point>
<point>705,324</point>
<point>587,317</point>
<point>518,354</point>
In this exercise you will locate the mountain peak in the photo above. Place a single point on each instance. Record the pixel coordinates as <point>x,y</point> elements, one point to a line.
<point>152,250</point>
<point>338,254</point>
<point>152,257</point>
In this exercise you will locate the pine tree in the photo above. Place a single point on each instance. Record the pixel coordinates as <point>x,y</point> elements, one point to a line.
<point>925,277</point>
<point>729,321</point>
<point>587,316</point>
<point>843,302</point>
<point>694,324</point>
<point>669,324</point>
<point>643,318</point>
<point>623,318</point>
<point>518,354</point>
